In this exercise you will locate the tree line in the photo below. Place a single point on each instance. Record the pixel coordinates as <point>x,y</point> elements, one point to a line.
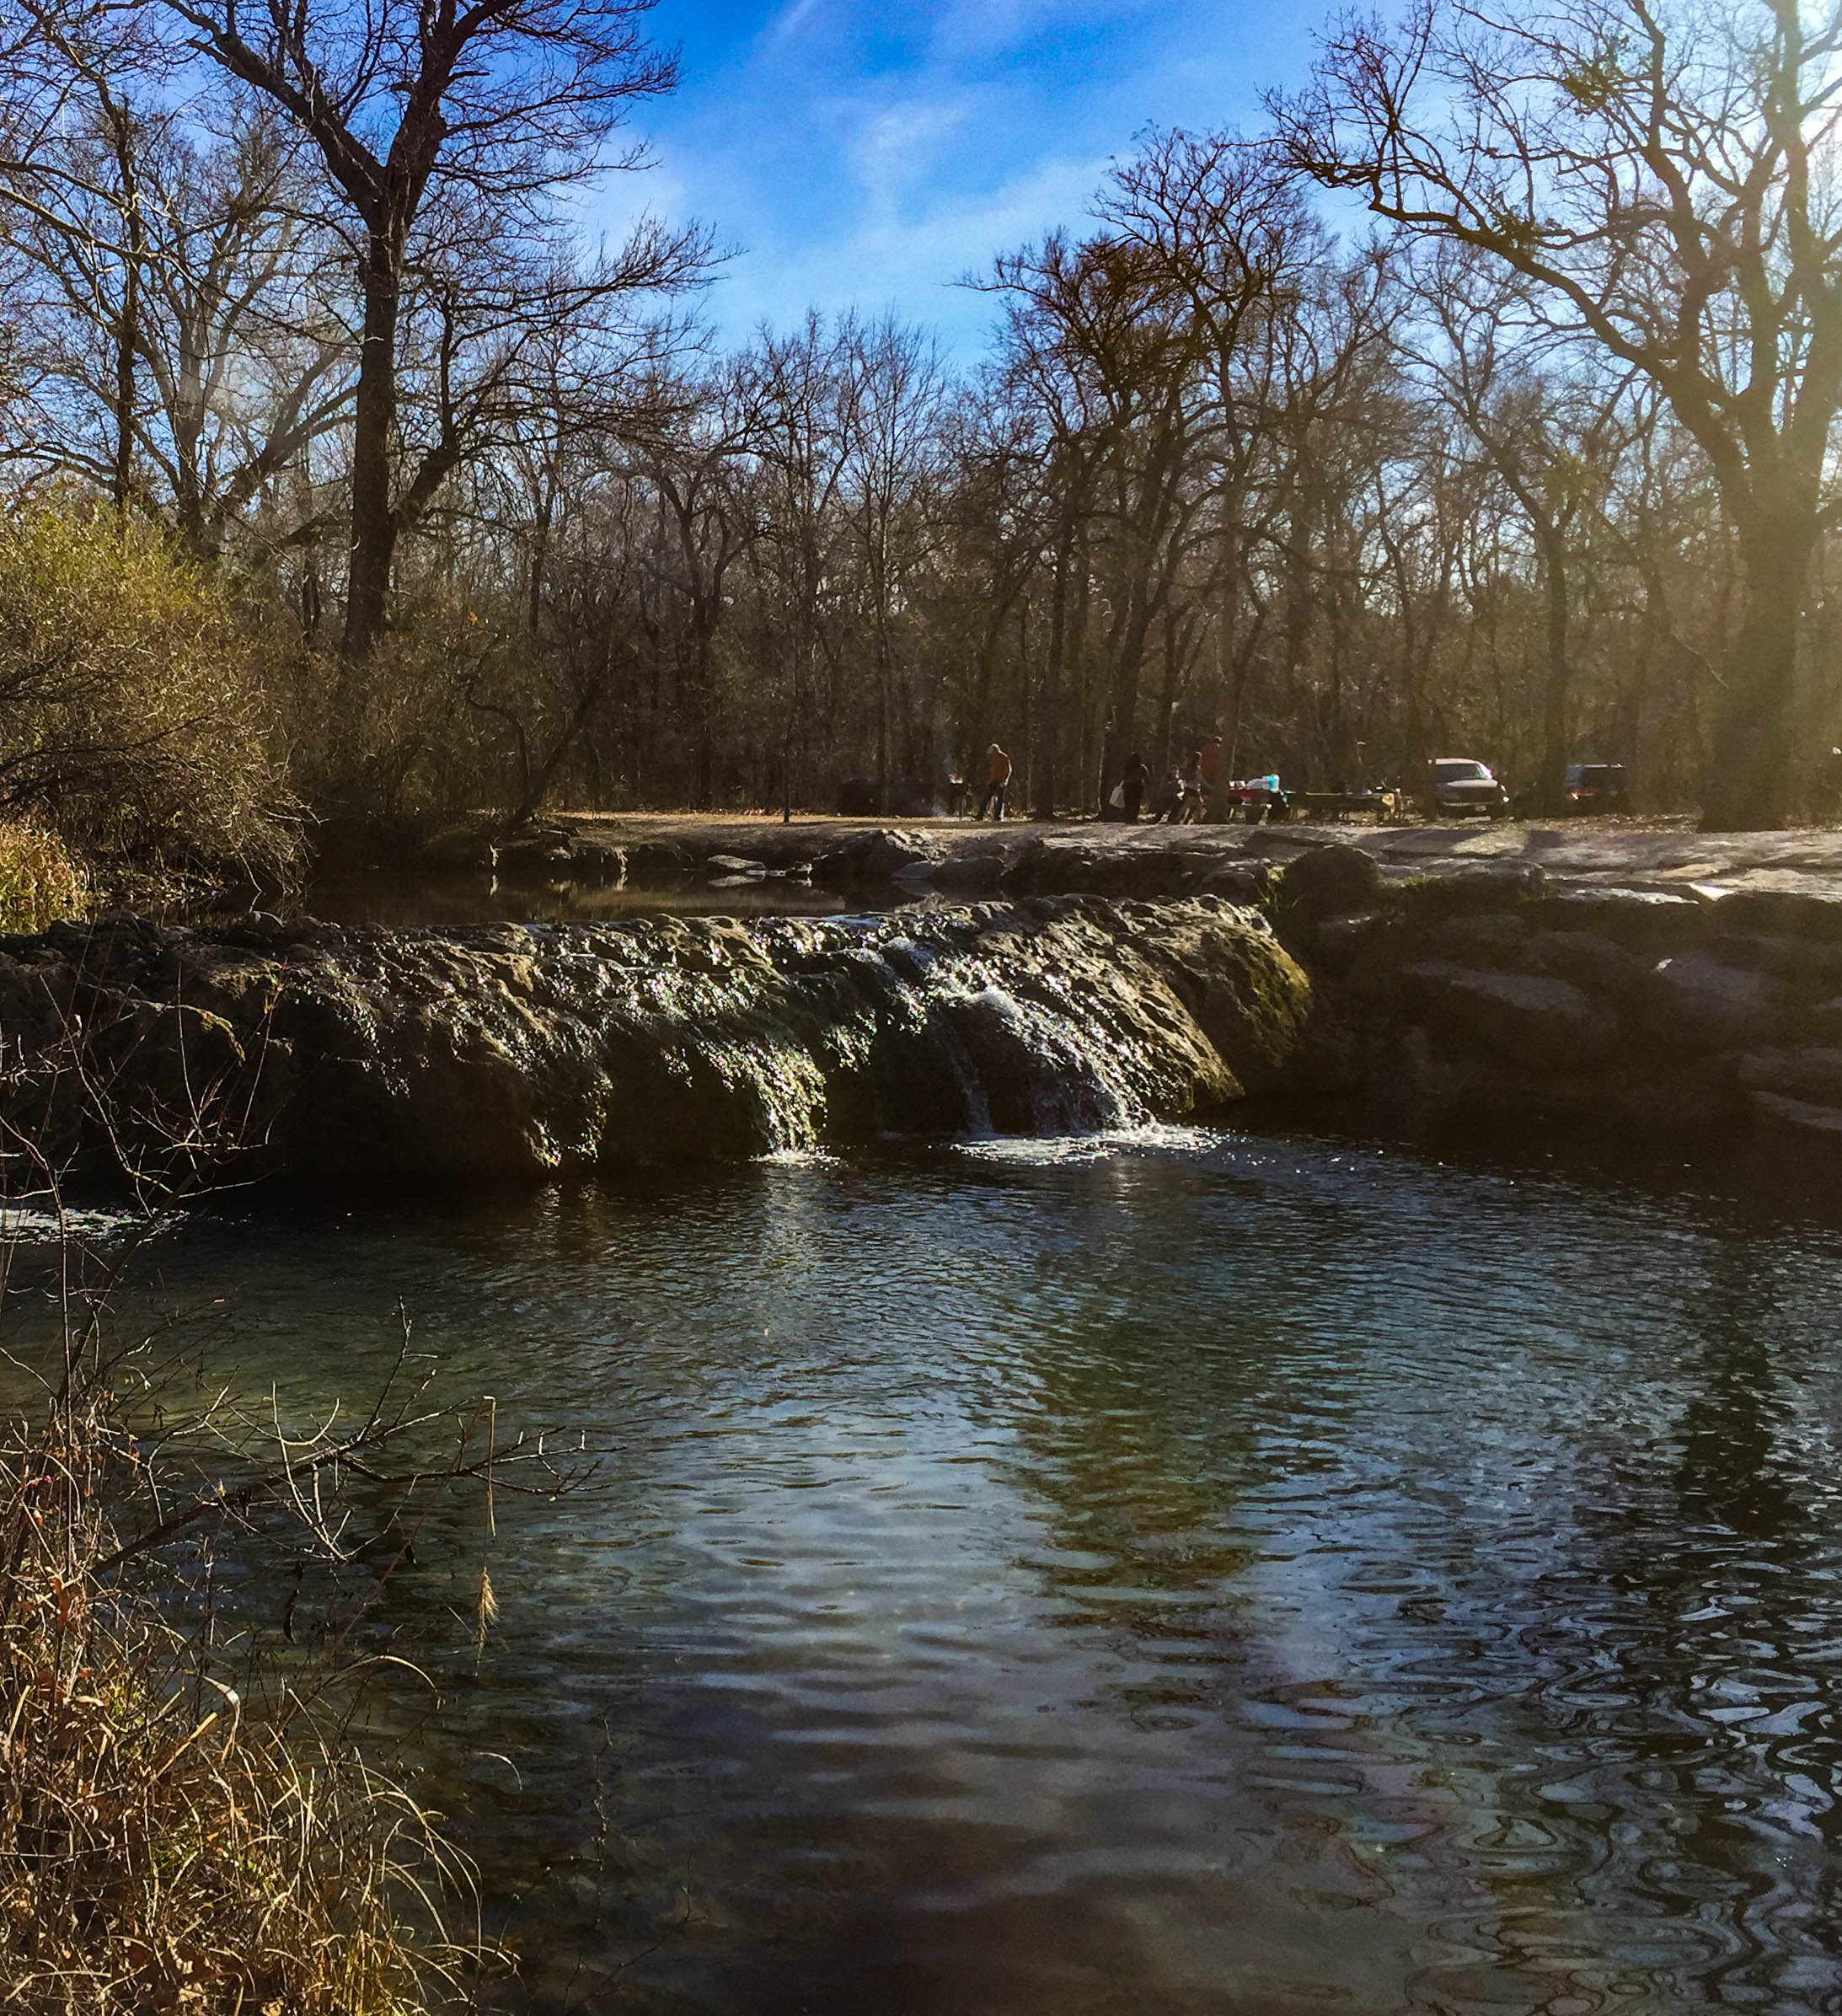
<point>1482,402</point>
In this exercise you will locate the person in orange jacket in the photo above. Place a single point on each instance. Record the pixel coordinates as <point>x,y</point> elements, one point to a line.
<point>993,799</point>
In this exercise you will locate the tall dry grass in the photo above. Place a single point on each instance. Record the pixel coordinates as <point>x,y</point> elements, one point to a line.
<point>165,1845</point>
<point>39,881</point>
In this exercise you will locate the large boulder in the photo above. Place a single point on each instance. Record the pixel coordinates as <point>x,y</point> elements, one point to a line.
<point>1332,881</point>
<point>1701,1002</point>
<point>1588,961</point>
<point>1472,891</point>
<point>1521,1017</point>
<point>659,864</point>
<point>898,856</point>
<point>1812,1073</point>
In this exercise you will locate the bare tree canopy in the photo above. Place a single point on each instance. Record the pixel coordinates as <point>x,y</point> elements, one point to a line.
<point>1660,172</point>
<point>1533,463</point>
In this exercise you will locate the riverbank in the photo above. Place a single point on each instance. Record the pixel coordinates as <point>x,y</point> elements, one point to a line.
<point>1088,856</point>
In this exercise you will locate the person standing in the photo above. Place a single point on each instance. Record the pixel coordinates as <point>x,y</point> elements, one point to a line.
<point>993,799</point>
<point>1138,776</point>
<point>1211,754</point>
<point>1192,792</point>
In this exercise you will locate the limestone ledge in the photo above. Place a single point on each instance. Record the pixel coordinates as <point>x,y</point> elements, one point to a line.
<point>1494,994</point>
<point>515,1053</point>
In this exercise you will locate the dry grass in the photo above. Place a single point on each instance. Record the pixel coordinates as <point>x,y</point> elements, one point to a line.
<point>162,1846</point>
<point>39,881</point>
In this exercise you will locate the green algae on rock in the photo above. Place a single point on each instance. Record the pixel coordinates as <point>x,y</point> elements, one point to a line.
<point>515,1053</point>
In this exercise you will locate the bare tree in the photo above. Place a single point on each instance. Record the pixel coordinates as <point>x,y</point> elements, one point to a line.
<point>419,114</point>
<point>1658,171</point>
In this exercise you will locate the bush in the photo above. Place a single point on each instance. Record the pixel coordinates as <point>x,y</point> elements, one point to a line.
<point>131,711</point>
<point>39,881</point>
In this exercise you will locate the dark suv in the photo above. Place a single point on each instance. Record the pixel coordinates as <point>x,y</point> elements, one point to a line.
<point>1597,787</point>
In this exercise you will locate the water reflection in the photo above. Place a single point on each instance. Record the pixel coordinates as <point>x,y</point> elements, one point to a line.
<point>1229,1574</point>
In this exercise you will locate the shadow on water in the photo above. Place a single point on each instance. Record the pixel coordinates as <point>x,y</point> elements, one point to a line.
<point>1192,1572</point>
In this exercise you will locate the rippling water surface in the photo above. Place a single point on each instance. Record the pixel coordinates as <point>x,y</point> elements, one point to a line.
<point>1194,1573</point>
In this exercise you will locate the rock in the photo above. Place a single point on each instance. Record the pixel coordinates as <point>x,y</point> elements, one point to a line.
<point>734,865</point>
<point>1806,963</point>
<point>599,861</point>
<point>1330,881</point>
<point>1339,942</point>
<point>1701,1004</point>
<point>1595,963</point>
<point>1495,939</point>
<point>1471,892</point>
<point>659,864</point>
<point>504,1053</point>
<point>1248,994</point>
<point>1799,1114</point>
<point>897,856</point>
<point>1643,920</point>
<point>972,872</point>
<point>1064,868</point>
<point>534,858</point>
<point>465,851</point>
<point>1247,883</point>
<point>1519,1017</point>
<point>1796,914</point>
<point>1823,1022</point>
<point>1813,1074</point>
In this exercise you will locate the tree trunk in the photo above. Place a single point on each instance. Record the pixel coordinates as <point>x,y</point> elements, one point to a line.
<point>373,518</point>
<point>1551,784</point>
<point>1055,672</point>
<point>1746,778</point>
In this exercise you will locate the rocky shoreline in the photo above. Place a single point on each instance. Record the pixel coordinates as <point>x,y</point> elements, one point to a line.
<point>1495,994</point>
<point>1491,994</point>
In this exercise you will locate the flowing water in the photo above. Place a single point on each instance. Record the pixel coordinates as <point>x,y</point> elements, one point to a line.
<point>1189,1571</point>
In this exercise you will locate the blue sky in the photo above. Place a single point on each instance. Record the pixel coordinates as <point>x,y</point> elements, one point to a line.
<point>857,151</point>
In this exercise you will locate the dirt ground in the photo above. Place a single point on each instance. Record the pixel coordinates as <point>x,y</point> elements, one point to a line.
<point>1618,851</point>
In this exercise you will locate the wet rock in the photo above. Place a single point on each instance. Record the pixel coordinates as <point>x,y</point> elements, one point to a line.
<point>1517,1016</point>
<point>1814,1074</point>
<point>507,1052</point>
<point>1799,1115</point>
<point>465,851</point>
<point>734,865</point>
<point>598,861</point>
<point>535,858</point>
<point>1246,993</point>
<point>1339,942</point>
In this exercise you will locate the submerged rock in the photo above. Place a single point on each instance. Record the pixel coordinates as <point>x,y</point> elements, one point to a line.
<point>513,1053</point>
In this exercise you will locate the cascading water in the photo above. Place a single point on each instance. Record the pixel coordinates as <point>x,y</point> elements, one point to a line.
<point>504,1052</point>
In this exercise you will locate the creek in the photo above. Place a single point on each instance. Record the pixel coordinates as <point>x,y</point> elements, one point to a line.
<point>1187,1570</point>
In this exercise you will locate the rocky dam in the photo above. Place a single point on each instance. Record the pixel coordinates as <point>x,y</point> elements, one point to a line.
<point>507,1052</point>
